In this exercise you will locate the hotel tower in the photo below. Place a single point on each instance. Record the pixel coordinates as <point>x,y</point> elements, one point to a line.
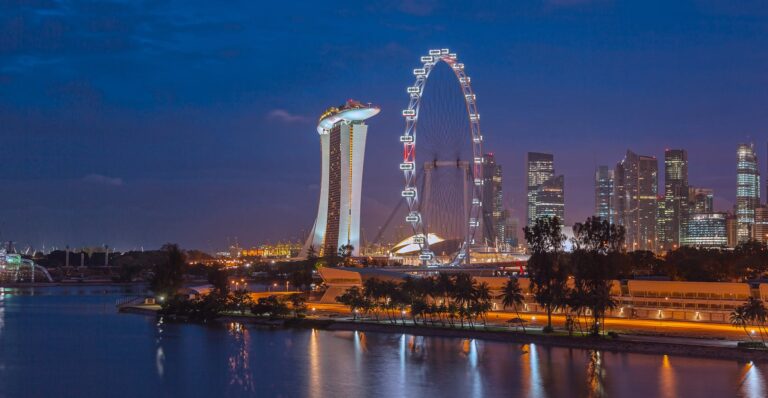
<point>342,142</point>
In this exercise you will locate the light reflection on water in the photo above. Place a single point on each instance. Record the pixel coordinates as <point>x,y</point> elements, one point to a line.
<point>76,337</point>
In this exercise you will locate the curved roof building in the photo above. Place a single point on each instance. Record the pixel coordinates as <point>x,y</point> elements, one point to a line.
<point>342,143</point>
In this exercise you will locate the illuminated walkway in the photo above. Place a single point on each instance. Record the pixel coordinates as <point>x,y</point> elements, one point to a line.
<point>624,326</point>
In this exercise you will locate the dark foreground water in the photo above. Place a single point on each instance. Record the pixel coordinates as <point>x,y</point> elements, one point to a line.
<point>70,342</point>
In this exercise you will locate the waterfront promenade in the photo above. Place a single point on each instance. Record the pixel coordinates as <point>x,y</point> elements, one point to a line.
<point>635,335</point>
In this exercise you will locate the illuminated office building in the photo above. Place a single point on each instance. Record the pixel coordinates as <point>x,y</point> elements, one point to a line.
<point>540,168</point>
<point>636,185</point>
<point>706,230</point>
<point>493,202</point>
<point>604,191</point>
<point>747,191</point>
<point>550,199</point>
<point>675,197</point>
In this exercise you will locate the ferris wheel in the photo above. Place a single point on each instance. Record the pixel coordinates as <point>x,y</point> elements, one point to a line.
<point>450,144</point>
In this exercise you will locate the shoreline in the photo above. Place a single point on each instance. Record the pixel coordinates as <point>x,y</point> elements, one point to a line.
<point>623,343</point>
<point>60,284</point>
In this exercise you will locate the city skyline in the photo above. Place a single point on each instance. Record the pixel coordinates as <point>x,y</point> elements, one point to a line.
<point>110,148</point>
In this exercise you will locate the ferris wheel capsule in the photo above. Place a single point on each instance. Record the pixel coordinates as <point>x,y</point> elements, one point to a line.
<point>413,217</point>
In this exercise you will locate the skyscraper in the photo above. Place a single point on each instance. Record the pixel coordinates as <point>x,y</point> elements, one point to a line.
<point>747,191</point>
<point>342,142</point>
<point>512,228</point>
<point>550,198</point>
<point>760,227</point>
<point>701,200</point>
<point>675,196</point>
<point>604,191</point>
<point>493,202</point>
<point>540,167</point>
<point>636,182</point>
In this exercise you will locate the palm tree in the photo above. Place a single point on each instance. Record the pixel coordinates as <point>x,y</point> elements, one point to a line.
<point>756,313</point>
<point>354,299</point>
<point>464,295</point>
<point>512,296</point>
<point>739,319</point>
<point>373,292</point>
<point>482,300</point>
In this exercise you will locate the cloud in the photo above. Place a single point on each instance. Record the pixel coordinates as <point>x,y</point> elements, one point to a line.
<point>103,180</point>
<point>568,3</point>
<point>286,117</point>
<point>418,7</point>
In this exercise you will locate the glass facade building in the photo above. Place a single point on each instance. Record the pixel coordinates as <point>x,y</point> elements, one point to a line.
<point>747,191</point>
<point>636,186</point>
<point>550,198</point>
<point>494,216</point>
<point>540,168</point>
<point>675,196</point>
<point>604,191</point>
<point>706,230</point>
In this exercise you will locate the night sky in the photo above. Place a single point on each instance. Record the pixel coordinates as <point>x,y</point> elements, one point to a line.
<point>136,123</point>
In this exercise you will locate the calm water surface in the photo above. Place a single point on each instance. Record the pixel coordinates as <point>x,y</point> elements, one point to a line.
<point>70,342</point>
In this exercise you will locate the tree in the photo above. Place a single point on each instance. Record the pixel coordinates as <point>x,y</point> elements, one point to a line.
<point>756,313</point>
<point>593,273</point>
<point>345,252</point>
<point>270,306</point>
<point>512,296</point>
<point>547,273</point>
<point>354,299</point>
<point>240,300</point>
<point>311,254</point>
<point>219,279</point>
<point>739,319</point>
<point>169,274</point>
<point>298,305</point>
<point>482,299</point>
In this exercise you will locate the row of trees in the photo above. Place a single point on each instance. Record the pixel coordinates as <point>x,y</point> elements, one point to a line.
<point>212,305</point>
<point>589,269</point>
<point>445,299</point>
<point>579,284</point>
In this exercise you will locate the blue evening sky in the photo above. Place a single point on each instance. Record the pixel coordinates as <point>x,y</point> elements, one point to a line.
<point>133,123</point>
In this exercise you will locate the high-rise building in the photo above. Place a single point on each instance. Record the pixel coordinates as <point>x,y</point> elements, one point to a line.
<point>706,230</point>
<point>493,202</point>
<point>550,198</point>
<point>540,167</point>
<point>675,196</point>
<point>342,142</point>
<point>512,230</point>
<point>700,217</point>
<point>747,191</point>
<point>636,184</point>
<point>760,227</point>
<point>701,200</point>
<point>662,219</point>
<point>730,226</point>
<point>604,191</point>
